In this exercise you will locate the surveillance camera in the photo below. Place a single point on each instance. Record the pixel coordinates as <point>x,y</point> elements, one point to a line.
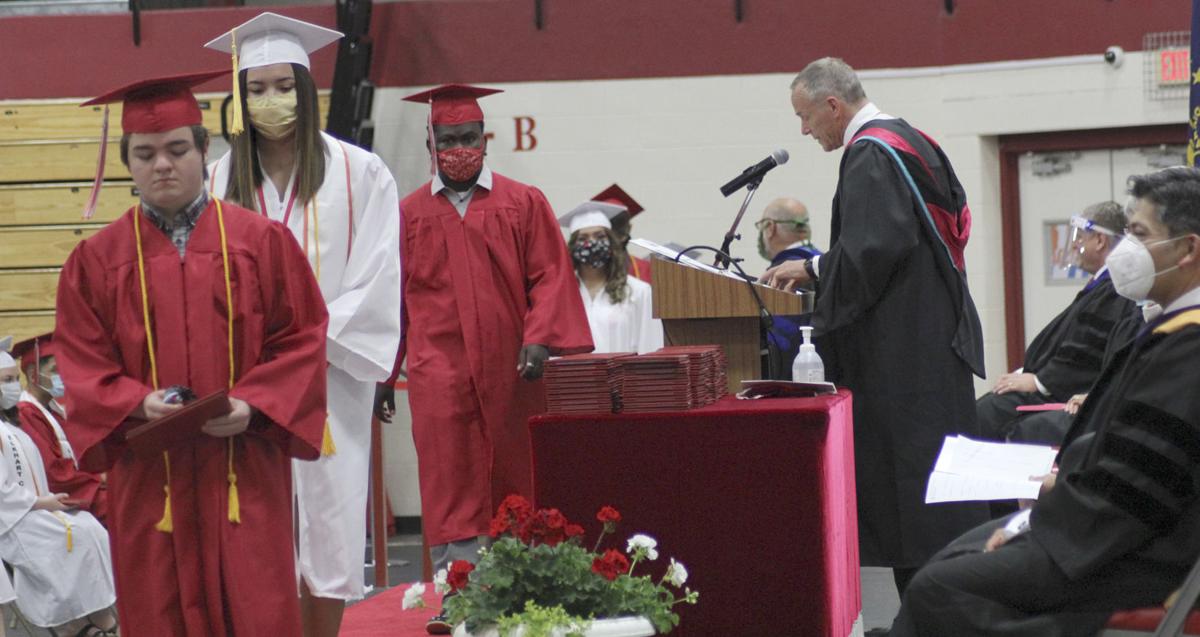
<point>1115,56</point>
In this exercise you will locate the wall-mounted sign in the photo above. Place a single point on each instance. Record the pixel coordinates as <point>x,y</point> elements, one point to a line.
<point>1173,67</point>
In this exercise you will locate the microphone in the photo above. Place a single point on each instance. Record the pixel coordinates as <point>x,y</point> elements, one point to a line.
<point>754,174</point>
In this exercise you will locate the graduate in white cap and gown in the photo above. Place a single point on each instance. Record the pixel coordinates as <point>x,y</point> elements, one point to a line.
<point>340,202</point>
<point>619,307</point>
<point>59,555</point>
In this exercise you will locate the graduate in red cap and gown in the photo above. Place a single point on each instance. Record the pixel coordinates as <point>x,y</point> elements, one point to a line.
<point>188,290</point>
<point>488,294</point>
<point>622,225</point>
<point>41,414</point>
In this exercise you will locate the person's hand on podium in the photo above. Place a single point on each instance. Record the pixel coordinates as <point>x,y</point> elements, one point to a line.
<point>786,276</point>
<point>154,406</point>
<point>232,423</point>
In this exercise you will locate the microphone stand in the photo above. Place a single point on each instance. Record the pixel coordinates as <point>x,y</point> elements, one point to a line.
<point>723,259</point>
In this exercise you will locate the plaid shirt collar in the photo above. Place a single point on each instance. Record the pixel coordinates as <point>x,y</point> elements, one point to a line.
<point>186,219</point>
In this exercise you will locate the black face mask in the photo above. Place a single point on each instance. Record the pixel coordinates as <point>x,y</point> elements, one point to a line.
<point>597,253</point>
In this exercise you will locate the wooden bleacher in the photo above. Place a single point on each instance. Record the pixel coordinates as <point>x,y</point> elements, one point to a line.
<point>48,152</point>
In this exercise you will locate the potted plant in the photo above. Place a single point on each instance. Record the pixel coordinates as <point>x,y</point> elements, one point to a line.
<point>538,580</point>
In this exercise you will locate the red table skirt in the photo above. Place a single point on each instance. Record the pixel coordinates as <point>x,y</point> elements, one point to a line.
<point>756,498</point>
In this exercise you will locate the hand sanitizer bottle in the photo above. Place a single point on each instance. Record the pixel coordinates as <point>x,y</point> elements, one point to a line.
<point>808,368</point>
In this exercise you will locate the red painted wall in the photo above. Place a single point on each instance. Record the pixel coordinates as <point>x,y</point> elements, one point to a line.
<point>496,40</point>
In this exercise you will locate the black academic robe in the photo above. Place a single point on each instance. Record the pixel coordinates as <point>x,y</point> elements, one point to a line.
<point>897,326</point>
<point>1067,356</point>
<point>1120,529</point>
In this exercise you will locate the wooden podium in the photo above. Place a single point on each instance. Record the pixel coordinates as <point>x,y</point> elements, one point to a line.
<point>702,308</point>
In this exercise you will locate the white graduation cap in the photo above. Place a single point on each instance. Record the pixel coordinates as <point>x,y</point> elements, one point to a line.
<point>270,38</point>
<point>6,359</point>
<point>590,214</point>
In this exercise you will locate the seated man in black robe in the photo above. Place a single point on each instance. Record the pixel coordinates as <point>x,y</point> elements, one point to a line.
<point>1066,356</point>
<point>1118,528</point>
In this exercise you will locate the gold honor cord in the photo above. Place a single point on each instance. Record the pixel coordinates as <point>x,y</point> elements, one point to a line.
<point>166,524</point>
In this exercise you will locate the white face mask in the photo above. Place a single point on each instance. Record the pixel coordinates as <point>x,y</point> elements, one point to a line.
<point>1132,267</point>
<point>56,388</point>
<point>10,394</point>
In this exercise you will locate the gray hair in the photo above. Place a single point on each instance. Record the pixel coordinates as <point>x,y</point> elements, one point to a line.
<point>1108,215</point>
<point>830,77</point>
<point>1175,193</point>
<point>791,215</point>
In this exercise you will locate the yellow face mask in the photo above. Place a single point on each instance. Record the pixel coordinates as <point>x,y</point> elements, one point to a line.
<point>273,116</point>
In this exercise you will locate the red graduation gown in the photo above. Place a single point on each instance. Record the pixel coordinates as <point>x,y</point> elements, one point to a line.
<point>639,268</point>
<point>209,577</point>
<point>475,290</point>
<point>85,488</point>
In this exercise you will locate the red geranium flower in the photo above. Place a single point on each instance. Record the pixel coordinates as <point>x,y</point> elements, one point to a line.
<point>610,565</point>
<point>574,530</point>
<point>458,576</point>
<point>608,515</point>
<point>511,515</point>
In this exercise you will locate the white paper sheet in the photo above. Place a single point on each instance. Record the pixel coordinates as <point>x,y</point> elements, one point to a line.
<point>668,253</point>
<point>972,470</point>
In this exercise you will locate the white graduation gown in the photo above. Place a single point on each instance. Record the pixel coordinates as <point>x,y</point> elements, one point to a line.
<point>628,326</point>
<point>360,281</point>
<point>55,583</point>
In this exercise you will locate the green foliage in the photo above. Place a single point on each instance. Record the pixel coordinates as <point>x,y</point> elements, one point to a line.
<point>553,586</point>
<point>541,622</point>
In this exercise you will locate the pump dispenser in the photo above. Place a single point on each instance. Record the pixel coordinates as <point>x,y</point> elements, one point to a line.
<point>808,368</point>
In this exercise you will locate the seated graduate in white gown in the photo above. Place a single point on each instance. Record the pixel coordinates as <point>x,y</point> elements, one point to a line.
<point>62,571</point>
<point>619,307</point>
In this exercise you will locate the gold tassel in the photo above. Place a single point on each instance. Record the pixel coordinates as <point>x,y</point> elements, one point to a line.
<point>327,446</point>
<point>235,127</point>
<point>70,540</point>
<point>235,506</point>
<point>166,524</point>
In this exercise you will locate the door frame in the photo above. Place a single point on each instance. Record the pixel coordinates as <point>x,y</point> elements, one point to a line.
<point>1011,148</point>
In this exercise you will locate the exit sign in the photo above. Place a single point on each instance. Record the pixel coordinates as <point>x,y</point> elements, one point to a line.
<point>1173,67</point>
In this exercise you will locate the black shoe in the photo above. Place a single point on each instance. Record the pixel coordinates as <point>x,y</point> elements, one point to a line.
<point>439,624</point>
<point>878,632</point>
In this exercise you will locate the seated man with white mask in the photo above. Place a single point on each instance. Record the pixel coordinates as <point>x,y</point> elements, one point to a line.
<point>1116,529</point>
<point>41,415</point>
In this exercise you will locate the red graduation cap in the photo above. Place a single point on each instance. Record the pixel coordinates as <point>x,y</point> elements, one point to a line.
<point>32,350</point>
<point>614,194</point>
<point>150,106</point>
<point>453,103</point>
<point>160,104</point>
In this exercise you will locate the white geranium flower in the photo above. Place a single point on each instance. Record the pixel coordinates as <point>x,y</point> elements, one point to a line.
<point>439,582</point>
<point>676,573</point>
<point>413,597</point>
<point>645,543</point>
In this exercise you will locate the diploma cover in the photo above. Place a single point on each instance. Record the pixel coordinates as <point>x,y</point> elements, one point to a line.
<point>179,427</point>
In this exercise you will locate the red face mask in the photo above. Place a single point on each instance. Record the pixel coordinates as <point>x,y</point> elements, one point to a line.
<point>460,164</point>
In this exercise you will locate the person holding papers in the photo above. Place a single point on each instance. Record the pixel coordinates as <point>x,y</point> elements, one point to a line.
<point>187,290</point>
<point>1066,356</point>
<point>894,321</point>
<point>1117,527</point>
<point>619,307</point>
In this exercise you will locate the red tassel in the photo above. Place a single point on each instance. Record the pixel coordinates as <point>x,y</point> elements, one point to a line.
<point>90,209</point>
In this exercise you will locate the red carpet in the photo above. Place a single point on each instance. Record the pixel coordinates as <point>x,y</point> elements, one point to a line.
<point>381,615</point>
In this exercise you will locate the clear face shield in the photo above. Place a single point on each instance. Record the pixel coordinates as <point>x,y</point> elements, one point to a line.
<point>1081,229</point>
